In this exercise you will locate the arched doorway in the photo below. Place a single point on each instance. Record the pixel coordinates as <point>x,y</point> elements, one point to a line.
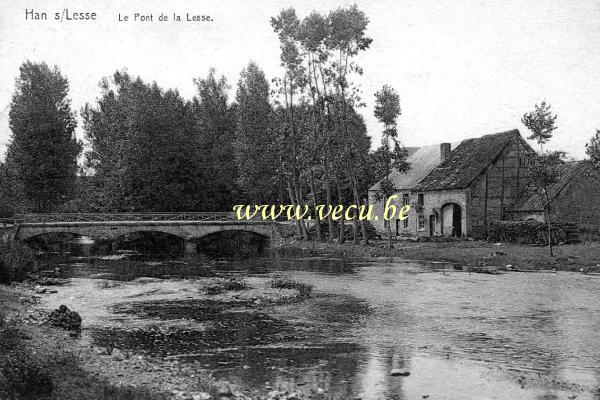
<point>451,220</point>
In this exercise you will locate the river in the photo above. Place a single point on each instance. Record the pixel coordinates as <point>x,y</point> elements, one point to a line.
<point>460,335</point>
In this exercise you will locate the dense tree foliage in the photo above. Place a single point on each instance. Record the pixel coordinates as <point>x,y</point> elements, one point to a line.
<point>153,151</point>
<point>297,140</point>
<point>592,149</point>
<point>142,154</point>
<point>257,163</point>
<point>41,158</point>
<point>214,133</point>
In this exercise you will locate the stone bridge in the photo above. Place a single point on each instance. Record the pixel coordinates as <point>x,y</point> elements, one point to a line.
<point>187,226</point>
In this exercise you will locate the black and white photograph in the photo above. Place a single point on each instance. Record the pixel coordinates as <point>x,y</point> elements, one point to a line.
<point>299,200</point>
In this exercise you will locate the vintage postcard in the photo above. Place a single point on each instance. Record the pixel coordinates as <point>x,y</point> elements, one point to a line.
<point>370,199</point>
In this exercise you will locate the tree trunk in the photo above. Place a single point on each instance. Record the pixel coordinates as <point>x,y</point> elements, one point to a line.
<point>292,200</point>
<point>389,234</point>
<point>341,232</point>
<point>314,198</point>
<point>549,224</point>
<point>330,226</point>
<point>357,201</point>
<point>299,196</point>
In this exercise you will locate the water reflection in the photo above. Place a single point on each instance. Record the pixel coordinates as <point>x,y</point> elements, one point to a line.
<point>461,335</point>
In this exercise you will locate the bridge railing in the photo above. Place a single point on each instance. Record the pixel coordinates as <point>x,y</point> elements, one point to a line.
<point>110,217</point>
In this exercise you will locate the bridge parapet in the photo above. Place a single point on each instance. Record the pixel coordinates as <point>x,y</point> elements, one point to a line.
<point>122,217</point>
<point>187,226</point>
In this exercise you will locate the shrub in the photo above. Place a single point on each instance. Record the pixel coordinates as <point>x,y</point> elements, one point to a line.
<point>25,374</point>
<point>21,372</point>
<point>529,231</point>
<point>16,262</point>
<point>225,285</point>
<point>284,283</point>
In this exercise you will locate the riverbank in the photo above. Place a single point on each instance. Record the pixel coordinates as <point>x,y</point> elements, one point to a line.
<point>583,257</point>
<point>162,330</point>
<point>46,362</point>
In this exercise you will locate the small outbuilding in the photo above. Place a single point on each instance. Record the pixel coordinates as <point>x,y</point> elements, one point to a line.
<point>575,198</point>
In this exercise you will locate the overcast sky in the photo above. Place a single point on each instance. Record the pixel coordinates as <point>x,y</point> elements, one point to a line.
<point>462,68</point>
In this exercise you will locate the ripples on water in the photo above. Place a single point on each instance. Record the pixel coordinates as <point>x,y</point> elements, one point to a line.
<point>461,335</point>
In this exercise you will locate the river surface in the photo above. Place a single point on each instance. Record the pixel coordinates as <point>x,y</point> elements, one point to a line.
<point>460,335</point>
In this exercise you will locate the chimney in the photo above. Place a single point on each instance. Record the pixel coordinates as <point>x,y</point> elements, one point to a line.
<point>444,152</point>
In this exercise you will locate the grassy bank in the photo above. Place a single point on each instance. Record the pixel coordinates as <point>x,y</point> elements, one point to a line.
<point>38,361</point>
<point>16,262</point>
<point>571,257</point>
<point>33,365</point>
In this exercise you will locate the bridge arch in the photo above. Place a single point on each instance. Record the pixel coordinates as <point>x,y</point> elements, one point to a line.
<point>186,226</point>
<point>228,242</point>
<point>147,242</point>
<point>56,242</point>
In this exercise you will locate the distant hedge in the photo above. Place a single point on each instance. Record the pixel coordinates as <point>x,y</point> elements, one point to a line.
<point>528,232</point>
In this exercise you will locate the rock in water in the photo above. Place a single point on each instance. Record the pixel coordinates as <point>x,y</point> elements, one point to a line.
<point>274,395</point>
<point>65,318</point>
<point>202,396</point>
<point>399,372</point>
<point>118,355</point>
<point>39,290</point>
<point>224,389</point>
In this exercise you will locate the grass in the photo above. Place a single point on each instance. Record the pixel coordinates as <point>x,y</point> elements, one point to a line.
<point>51,374</point>
<point>283,283</point>
<point>569,257</point>
<point>16,262</point>
<point>226,285</point>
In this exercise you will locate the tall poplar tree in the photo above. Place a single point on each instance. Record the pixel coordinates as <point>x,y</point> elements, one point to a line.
<point>254,157</point>
<point>42,153</point>
<point>392,154</point>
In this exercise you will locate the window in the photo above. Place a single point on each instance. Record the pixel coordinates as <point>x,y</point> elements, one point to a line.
<point>421,222</point>
<point>405,202</point>
<point>421,199</point>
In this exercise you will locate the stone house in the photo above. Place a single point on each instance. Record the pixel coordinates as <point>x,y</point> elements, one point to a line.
<point>470,186</point>
<point>422,160</point>
<point>574,198</point>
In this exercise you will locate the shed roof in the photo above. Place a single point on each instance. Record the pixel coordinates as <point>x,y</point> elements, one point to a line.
<point>530,201</point>
<point>467,161</point>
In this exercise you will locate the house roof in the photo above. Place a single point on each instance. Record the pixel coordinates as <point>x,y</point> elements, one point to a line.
<point>467,162</point>
<point>530,201</point>
<point>411,150</point>
<point>422,161</point>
